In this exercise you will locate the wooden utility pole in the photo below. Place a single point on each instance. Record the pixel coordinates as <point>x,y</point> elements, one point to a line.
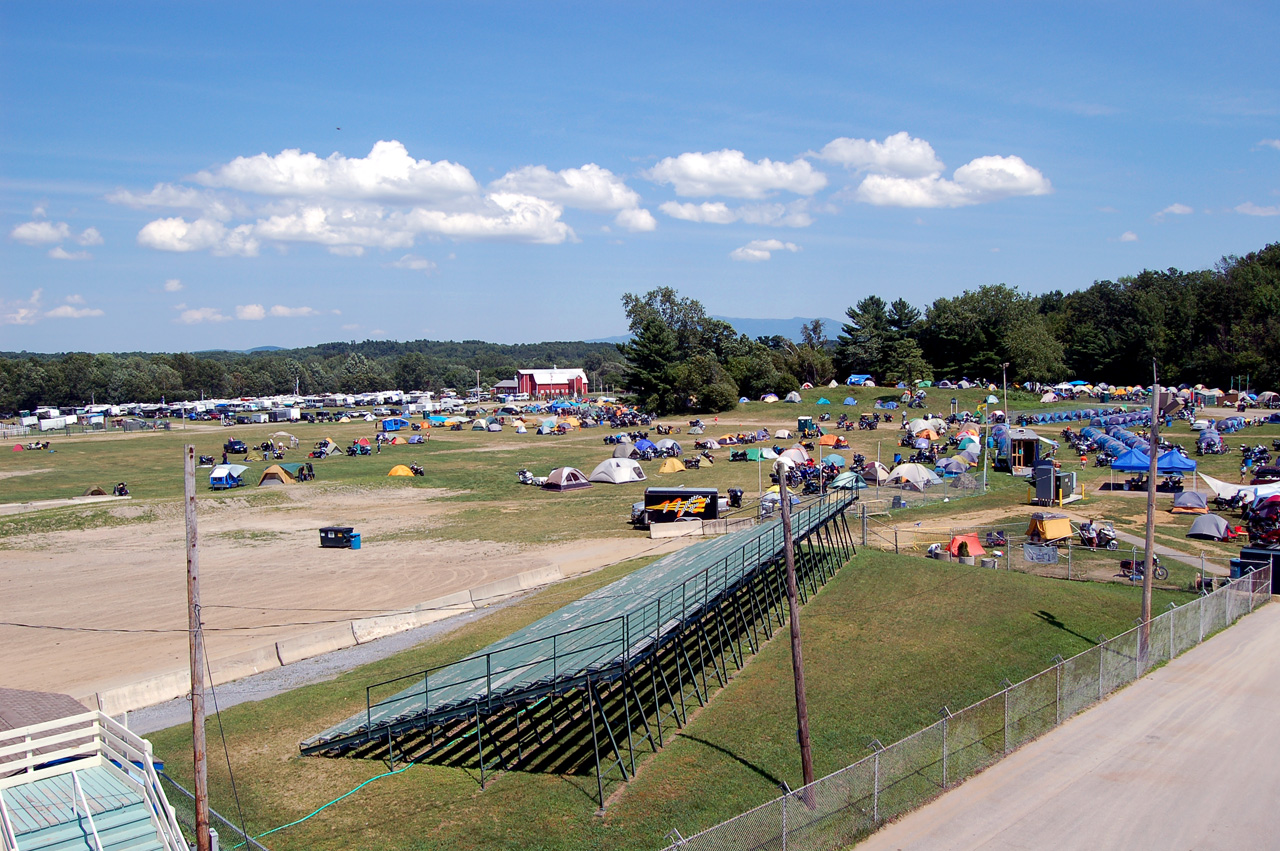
<point>203,842</point>
<point>793,608</point>
<point>1148,569</point>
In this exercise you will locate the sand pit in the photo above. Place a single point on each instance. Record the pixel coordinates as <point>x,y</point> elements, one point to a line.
<point>264,577</point>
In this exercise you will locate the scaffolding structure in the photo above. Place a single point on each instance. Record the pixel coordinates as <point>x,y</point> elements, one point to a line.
<point>585,687</point>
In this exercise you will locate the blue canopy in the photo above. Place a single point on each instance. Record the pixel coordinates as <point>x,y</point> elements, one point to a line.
<point>1132,461</point>
<point>1174,462</point>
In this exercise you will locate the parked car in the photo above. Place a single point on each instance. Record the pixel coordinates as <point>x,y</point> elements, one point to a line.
<point>235,447</point>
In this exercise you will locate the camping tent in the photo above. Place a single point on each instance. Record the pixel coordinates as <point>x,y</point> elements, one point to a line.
<point>226,476</point>
<point>848,480</point>
<point>18,447</point>
<point>915,476</point>
<point>793,397</point>
<point>625,450</point>
<point>491,427</point>
<point>417,438</point>
<point>827,440</point>
<point>782,434</point>
<point>617,471</point>
<point>1189,502</point>
<point>797,455</point>
<point>400,470</point>
<point>823,400</point>
<point>276,475</point>
<point>767,454</point>
<point>849,400</point>
<point>94,491</point>
<point>669,445</point>
<point>769,398</point>
<point>833,461</point>
<point>876,472</point>
<point>398,441</point>
<point>975,547</point>
<point>645,443</point>
<point>1211,527</point>
<point>1049,527</point>
<point>671,465</point>
<point>952,466</point>
<point>566,479</point>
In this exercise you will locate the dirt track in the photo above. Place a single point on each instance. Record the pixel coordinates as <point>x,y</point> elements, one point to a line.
<point>265,562</point>
<point>1185,758</point>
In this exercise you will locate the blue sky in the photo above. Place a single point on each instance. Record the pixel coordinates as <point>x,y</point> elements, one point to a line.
<point>173,176</point>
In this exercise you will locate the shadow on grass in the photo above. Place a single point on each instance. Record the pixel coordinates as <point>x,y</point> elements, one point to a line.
<point>1052,620</point>
<point>743,762</point>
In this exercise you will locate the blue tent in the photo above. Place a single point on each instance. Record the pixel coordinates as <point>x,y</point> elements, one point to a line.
<point>849,400</point>
<point>1174,462</point>
<point>1132,461</point>
<point>645,443</point>
<point>743,400</point>
<point>856,379</point>
<point>823,401</point>
<point>394,423</point>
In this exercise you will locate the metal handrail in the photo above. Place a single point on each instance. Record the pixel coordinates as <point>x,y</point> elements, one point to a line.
<point>78,793</point>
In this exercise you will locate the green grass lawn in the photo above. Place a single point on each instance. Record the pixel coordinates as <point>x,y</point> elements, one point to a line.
<point>888,642</point>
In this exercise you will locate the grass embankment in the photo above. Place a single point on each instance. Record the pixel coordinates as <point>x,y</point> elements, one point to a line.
<point>888,642</point>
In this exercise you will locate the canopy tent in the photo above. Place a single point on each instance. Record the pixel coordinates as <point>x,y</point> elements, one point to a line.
<point>617,471</point>
<point>293,441</point>
<point>226,476</point>
<point>848,480</point>
<point>916,476</point>
<point>276,475</point>
<point>1173,462</point>
<point>400,470</point>
<point>566,479</point>
<point>975,547</point>
<point>1190,502</point>
<point>1211,527</point>
<point>1133,460</point>
<point>671,465</point>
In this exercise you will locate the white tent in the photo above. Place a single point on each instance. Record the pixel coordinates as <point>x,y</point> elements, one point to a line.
<point>768,454</point>
<point>617,471</point>
<point>796,455</point>
<point>667,445</point>
<point>916,476</point>
<point>782,434</point>
<point>875,472</point>
<point>792,397</point>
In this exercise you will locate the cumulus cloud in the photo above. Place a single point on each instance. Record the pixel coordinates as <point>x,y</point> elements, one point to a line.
<point>979,181</point>
<point>1128,236</point>
<point>794,214</point>
<point>173,285</point>
<point>1271,143</point>
<point>729,172</point>
<point>168,196</point>
<point>590,188</point>
<point>40,232</point>
<point>177,234</point>
<point>292,312</point>
<point>388,173</point>
<point>347,250</point>
<point>1175,210</point>
<point>504,216</point>
<point>900,155</point>
<point>638,220</point>
<point>89,236</point>
<point>60,253</point>
<point>74,308</point>
<point>250,311</point>
<point>414,263</point>
<point>21,311</point>
<point>197,315</point>
<point>1251,209</point>
<point>758,250</point>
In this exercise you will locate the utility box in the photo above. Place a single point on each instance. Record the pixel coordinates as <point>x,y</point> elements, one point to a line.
<point>338,537</point>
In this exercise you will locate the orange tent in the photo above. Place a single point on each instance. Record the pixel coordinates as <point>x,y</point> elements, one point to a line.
<point>827,440</point>
<point>975,548</point>
<point>927,434</point>
<point>364,441</point>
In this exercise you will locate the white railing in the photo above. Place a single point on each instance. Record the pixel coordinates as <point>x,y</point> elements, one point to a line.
<point>839,809</point>
<point>68,744</point>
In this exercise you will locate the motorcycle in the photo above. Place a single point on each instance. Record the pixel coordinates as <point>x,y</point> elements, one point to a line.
<point>1099,536</point>
<point>706,453</point>
<point>1134,570</point>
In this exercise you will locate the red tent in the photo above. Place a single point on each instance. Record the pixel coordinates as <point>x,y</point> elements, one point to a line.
<point>975,548</point>
<point>364,441</point>
<point>17,447</point>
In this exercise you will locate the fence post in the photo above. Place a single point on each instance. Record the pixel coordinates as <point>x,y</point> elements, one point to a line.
<point>1102,650</point>
<point>784,814</point>
<point>875,792</point>
<point>1007,686</point>
<point>1201,602</point>
<point>1057,689</point>
<point>1069,549</point>
<point>864,524</point>
<point>895,540</point>
<point>946,715</point>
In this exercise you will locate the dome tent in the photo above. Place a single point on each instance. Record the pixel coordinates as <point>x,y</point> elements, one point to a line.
<point>566,479</point>
<point>617,471</point>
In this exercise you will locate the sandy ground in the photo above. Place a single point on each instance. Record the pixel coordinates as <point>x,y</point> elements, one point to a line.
<point>1183,758</point>
<point>263,577</point>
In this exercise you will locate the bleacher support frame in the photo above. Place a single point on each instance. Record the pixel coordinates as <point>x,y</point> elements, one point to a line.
<point>572,718</point>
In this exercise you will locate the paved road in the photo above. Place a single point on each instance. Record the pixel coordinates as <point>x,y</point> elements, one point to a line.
<point>1186,758</point>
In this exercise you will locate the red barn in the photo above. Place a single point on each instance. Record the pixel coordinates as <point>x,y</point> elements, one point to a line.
<point>552,382</point>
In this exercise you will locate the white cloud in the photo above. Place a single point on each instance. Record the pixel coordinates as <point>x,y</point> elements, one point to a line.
<point>38,211</point>
<point>729,172</point>
<point>414,263</point>
<point>899,155</point>
<point>588,188</point>
<point>21,311</point>
<point>794,214</point>
<point>1176,210</point>
<point>504,216</point>
<point>388,173</point>
<point>291,312</point>
<point>347,250</point>
<point>1128,236</point>
<point>60,253</point>
<point>758,250</point>
<point>638,220</point>
<point>1251,209</point>
<point>73,309</point>
<point>168,196</point>
<point>979,181</point>
<point>1271,143</point>
<point>347,226</point>
<point>177,234</point>
<point>250,312</point>
<point>40,233</point>
<point>196,315</point>
<point>89,236</point>
<point>173,285</point>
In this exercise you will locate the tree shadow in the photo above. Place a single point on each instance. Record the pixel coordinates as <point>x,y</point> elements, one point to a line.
<point>1052,620</point>
<point>746,763</point>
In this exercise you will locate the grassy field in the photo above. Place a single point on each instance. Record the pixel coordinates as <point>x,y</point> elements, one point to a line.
<point>888,642</point>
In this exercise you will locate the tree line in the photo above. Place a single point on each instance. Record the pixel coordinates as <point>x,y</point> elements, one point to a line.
<point>68,379</point>
<point>1216,326</point>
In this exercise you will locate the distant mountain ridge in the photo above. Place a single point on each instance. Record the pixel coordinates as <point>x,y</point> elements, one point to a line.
<point>753,328</point>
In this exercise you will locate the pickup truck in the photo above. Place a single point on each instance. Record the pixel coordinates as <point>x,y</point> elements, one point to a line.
<point>235,447</point>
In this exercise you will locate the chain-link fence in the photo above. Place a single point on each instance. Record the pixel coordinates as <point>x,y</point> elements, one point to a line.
<point>230,836</point>
<point>838,809</point>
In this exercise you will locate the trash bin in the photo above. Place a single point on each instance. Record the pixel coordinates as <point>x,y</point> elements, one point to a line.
<point>336,537</point>
<point>355,541</point>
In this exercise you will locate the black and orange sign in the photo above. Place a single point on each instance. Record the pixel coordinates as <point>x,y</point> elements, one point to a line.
<point>668,504</point>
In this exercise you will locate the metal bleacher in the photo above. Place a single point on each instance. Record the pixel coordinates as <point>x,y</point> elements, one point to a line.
<point>597,640</point>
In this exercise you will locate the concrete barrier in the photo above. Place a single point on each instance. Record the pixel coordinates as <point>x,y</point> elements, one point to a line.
<point>242,665</point>
<point>337,637</point>
<point>148,692</point>
<point>678,529</point>
<point>368,629</point>
<point>501,588</point>
<point>450,604</point>
<point>538,577</point>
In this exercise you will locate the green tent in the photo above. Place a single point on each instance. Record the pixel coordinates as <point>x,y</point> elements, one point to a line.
<point>849,480</point>
<point>753,454</point>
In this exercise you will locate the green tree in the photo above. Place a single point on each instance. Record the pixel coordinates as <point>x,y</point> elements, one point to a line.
<point>860,347</point>
<point>651,357</point>
<point>1034,354</point>
<point>906,363</point>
